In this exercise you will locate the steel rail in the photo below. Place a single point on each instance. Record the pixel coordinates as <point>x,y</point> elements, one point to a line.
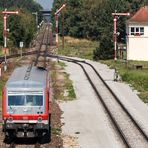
<point>101,99</point>
<point>38,51</point>
<point>46,48</point>
<point>12,142</point>
<point>37,145</point>
<point>111,91</point>
<point>106,108</point>
<point>12,145</point>
<point>114,95</point>
<point>121,104</point>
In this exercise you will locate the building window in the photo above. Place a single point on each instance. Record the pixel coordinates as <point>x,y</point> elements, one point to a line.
<point>137,31</point>
<point>141,30</point>
<point>132,30</point>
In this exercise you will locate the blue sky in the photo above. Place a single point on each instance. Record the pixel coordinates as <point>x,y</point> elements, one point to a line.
<point>46,4</point>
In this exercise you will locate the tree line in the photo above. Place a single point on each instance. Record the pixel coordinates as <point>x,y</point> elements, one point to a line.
<point>22,26</point>
<point>92,19</point>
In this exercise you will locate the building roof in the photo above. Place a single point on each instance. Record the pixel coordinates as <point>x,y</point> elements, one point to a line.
<point>140,16</point>
<point>27,77</point>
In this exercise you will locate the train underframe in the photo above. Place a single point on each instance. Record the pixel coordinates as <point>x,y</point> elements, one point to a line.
<point>26,130</point>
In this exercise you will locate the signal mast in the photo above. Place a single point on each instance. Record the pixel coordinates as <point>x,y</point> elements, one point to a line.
<point>6,13</point>
<point>115,15</point>
<point>56,15</point>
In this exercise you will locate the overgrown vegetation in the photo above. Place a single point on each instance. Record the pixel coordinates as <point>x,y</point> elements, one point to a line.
<point>82,48</point>
<point>2,83</point>
<point>56,131</point>
<point>137,78</point>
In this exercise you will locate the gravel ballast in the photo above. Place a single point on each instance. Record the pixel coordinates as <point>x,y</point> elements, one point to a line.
<point>85,119</point>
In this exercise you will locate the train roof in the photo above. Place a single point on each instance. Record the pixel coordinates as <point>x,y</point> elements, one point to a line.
<point>27,77</point>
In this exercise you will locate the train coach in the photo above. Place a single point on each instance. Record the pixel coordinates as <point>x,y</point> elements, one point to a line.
<point>25,103</point>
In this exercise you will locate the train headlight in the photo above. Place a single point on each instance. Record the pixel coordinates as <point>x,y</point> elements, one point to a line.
<point>10,119</point>
<point>39,119</point>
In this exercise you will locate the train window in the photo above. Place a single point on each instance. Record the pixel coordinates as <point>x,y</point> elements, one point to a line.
<point>16,100</point>
<point>29,100</point>
<point>25,100</point>
<point>34,100</point>
<point>38,101</point>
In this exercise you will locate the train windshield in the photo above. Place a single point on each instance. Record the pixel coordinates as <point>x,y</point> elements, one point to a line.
<point>25,100</point>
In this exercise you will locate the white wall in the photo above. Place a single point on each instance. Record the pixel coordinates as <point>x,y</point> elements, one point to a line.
<point>137,46</point>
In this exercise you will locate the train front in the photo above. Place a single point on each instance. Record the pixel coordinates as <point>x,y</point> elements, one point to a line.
<point>25,105</point>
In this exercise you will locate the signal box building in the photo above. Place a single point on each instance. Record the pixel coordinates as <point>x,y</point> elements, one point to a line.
<point>137,35</point>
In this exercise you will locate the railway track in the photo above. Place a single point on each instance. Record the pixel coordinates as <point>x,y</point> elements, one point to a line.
<point>12,145</point>
<point>130,131</point>
<point>43,47</point>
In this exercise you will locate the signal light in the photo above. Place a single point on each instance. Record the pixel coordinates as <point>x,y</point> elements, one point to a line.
<point>128,14</point>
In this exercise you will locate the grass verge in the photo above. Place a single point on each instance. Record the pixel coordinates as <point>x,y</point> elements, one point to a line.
<point>62,85</point>
<point>81,48</point>
<point>69,87</point>
<point>3,80</point>
<point>137,78</point>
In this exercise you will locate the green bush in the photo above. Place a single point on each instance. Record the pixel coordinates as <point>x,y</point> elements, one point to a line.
<point>105,51</point>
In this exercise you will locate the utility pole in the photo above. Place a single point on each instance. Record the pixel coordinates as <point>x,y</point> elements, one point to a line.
<point>56,15</point>
<point>115,15</point>
<point>6,13</point>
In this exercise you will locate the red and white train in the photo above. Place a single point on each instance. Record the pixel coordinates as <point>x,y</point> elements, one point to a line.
<point>25,103</point>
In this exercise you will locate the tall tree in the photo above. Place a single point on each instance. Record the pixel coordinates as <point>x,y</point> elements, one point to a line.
<point>30,5</point>
<point>22,27</point>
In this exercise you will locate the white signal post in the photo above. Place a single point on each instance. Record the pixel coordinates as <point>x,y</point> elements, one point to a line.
<point>5,30</point>
<point>115,15</point>
<point>57,21</point>
<point>56,15</point>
